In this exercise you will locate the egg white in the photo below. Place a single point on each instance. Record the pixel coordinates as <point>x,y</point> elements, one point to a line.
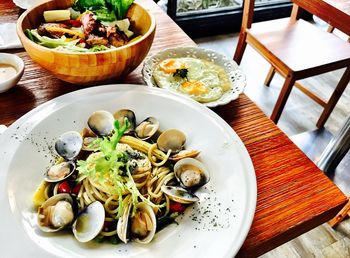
<point>212,77</point>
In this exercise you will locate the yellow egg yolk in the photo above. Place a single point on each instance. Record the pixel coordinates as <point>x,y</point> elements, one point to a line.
<point>171,65</point>
<point>194,87</point>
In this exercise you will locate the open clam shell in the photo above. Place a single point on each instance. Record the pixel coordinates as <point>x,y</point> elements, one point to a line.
<point>191,173</point>
<point>144,224</point>
<point>141,227</point>
<point>89,223</point>
<point>59,172</point>
<point>123,223</point>
<point>147,128</point>
<point>120,115</point>
<point>87,143</point>
<point>101,123</point>
<point>56,213</point>
<point>179,194</point>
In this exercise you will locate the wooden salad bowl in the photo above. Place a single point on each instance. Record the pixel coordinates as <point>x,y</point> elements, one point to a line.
<point>88,68</point>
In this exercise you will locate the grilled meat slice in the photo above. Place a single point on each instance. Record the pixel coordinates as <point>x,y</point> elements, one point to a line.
<point>42,29</point>
<point>110,30</point>
<point>89,23</point>
<point>96,40</point>
<point>118,39</point>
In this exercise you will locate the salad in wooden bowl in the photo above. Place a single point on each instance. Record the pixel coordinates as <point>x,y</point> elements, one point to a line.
<point>87,42</point>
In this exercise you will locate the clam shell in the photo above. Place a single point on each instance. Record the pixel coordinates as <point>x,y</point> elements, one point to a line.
<point>52,202</point>
<point>179,194</point>
<point>143,207</point>
<point>89,223</point>
<point>191,173</point>
<point>101,123</point>
<point>68,145</point>
<point>147,128</point>
<point>123,223</point>
<point>171,139</point>
<point>185,154</point>
<point>61,166</point>
<point>87,141</point>
<point>120,115</point>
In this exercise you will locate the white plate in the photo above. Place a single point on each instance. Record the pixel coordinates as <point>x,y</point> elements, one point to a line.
<point>216,227</point>
<point>236,76</point>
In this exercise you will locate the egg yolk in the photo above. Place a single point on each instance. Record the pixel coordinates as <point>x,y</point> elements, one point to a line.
<point>171,65</point>
<point>194,87</point>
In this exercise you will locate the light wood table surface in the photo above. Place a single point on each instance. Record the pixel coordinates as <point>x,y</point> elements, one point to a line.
<point>294,196</point>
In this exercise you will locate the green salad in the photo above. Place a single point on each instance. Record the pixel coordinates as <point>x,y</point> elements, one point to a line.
<point>87,26</point>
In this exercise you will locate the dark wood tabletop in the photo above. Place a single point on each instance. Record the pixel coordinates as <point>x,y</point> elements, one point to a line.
<point>294,196</point>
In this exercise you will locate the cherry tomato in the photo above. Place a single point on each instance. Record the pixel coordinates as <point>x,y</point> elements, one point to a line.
<point>76,189</point>
<point>64,187</point>
<point>177,207</point>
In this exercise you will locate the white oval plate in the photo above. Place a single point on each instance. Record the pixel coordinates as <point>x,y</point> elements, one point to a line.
<point>236,76</point>
<point>216,227</point>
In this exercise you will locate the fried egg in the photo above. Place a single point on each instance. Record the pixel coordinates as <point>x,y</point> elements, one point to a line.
<point>204,81</point>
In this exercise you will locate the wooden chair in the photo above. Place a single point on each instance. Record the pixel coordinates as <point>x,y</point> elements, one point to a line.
<point>331,29</point>
<point>297,50</point>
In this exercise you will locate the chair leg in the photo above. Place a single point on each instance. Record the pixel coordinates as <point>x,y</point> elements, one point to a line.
<point>282,98</point>
<point>330,28</point>
<point>334,98</point>
<point>240,47</point>
<point>269,76</point>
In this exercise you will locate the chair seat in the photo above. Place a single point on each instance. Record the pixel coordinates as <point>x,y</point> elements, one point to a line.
<point>300,45</point>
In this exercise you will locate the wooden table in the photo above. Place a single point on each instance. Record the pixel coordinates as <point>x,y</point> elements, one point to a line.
<point>294,196</point>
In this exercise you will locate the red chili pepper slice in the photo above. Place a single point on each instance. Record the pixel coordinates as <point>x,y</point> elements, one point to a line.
<point>177,207</point>
<point>73,23</point>
<point>64,187</point>
<point>76,189</point>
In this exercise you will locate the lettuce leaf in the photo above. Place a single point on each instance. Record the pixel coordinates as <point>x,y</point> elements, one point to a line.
<point>120,7</point>
<point>105,10</point>
<point>83,5</point>
<point>104,14</point>
<point>49,42</point>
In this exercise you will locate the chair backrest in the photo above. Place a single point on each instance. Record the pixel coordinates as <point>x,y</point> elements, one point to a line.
<point>248,11</point>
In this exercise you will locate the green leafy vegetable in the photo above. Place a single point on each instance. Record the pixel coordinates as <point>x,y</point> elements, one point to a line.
<point>118,8</point>
<point>99,239</point>
<point>165,221</point>
<point>61,43</point>
<point>181,73</point>
<point>29,34</point>
<point>114,240</point>
<point>49,42</point>
<point>104,14</point>
<point>83,5</point>
<point>98,48</point>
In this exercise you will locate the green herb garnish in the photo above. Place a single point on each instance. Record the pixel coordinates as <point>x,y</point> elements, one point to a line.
<point>111,169</point>
<point>181,73</point>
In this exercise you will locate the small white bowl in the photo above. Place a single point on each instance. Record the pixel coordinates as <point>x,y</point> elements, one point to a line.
<point>236,76</point>
<point>18,64</point>
<point>26,4</point>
